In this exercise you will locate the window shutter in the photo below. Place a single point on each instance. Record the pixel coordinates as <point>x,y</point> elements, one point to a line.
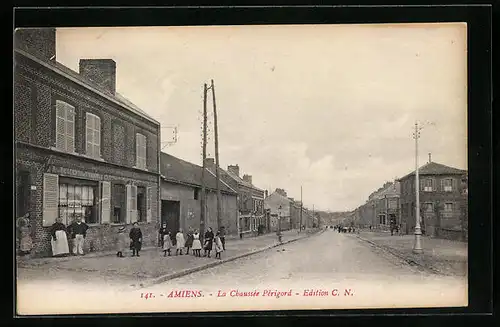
<point>443,184</point>
<point>149,196</point>
<point>89,139</point>
<point>105,202</point>
<point>137,150</point>
<point>128,194</point>
<point>70,128</point>
<point>60,125</point>
<point>50,198</point>
<point>434,184</point>
<point>454,184</point>
<point>422,184</point>
<point>97,137</point>
<point>133,203</point>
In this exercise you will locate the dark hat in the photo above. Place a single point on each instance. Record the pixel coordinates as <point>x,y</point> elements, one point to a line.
<point>121,229</point>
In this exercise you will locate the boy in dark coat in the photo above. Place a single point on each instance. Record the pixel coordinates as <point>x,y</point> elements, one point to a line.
<point>135,239</point>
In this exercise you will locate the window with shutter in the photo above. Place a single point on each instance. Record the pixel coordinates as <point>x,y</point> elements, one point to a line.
<point>131,191</point>
<point>50,198</point>
<point>65,126</point>
<point>93,135</point>
<point>105,202</point>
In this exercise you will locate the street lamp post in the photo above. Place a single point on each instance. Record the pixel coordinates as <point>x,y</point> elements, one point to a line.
<point>417,248</point>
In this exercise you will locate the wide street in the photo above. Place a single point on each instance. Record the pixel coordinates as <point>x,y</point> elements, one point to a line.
<point>328,263</point>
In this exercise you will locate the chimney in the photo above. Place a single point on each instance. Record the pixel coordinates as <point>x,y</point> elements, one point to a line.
<point>210,163</point>
<point>39,42</point>
<point>430,158</point>
<point>100,71</point>
<point>235,169</point>
<point>247,178</point>
<point>266,194</point>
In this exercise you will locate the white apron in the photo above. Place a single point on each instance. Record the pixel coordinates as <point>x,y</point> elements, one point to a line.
<point>60,246</point>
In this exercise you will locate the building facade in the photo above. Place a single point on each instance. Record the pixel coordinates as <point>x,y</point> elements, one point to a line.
<point>280,209</point>
<point>181,184</point>
<point>250,198</point>
<point>442,197</point>
<point>81,149</point>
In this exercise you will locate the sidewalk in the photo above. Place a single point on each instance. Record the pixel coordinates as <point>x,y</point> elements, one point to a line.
<point>440,256</point>
<point>150,268</point>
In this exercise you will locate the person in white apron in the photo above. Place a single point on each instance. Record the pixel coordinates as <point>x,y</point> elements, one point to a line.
<point>196,244</point>
<point>59,239</point>
<point>180,242</point>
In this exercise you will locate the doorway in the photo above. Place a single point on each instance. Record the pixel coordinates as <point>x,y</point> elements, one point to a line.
<point>170,215</point>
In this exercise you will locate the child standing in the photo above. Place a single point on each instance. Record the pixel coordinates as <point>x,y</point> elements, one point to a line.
<point>167,243</point>
<point>218,246</point>
<point>121,242</point>
<point>196,244</point>
<point>180,242</point>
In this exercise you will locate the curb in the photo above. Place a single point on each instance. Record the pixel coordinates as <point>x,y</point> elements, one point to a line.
<point>407,260</point>
<point>189,271</point>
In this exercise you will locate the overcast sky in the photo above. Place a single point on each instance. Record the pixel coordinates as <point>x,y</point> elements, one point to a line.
<point>328,107</point>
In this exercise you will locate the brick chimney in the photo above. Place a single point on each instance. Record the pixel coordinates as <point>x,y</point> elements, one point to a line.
<point>247,178</point>
<point>39,42</point>
<point>100,71</point>
<point>266,194</point>
<point>234,169</point>
<point>210,163</point>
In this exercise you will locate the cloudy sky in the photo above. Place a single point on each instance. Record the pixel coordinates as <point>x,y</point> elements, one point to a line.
<point>330,107</point>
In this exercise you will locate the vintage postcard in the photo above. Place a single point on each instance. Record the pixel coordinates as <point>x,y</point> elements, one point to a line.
<point>240,168</point>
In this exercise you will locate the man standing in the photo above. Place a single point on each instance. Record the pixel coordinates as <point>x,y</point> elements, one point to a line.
<point>222,236</point>
<point>78,232</point>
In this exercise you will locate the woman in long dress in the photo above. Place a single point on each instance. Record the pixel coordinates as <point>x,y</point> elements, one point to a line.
<point>121,242</point>
<point>24,228</point>
<point>209,240</point>
<point>196,244</point>
<point>179,237</point>
<point>135,239</point>
<point>59,239</point>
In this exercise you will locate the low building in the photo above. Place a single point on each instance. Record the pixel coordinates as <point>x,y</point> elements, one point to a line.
<point>81,148</point>
<point>250,197</point>
<point>442,201</point>
<point>181,183</point>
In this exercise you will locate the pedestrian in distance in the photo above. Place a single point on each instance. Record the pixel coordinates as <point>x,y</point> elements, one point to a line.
<point>59,240</point>
<point>208,241</point>
<point>196,244</point>
<point>218,246</point>
<point>223,237</point>
<point>179,237</point>
<point>121,242</point>
<point>167,243</point>
<point>135,239</point>
<point>78,232</point>
<point>189,240</point>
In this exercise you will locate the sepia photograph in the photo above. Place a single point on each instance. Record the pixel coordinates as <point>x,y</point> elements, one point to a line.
<point>240,168</point>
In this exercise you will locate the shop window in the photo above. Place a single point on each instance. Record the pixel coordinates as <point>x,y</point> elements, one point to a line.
<point>118,197</point>
<point>141,204</point>
<point>78,201</point>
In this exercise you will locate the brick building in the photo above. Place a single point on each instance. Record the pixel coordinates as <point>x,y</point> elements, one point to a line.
<point>443,201</point>
<point>181,184</point>
<point>81,149</point>
<point>250,197</point>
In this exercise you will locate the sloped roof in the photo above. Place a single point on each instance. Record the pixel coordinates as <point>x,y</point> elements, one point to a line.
<point>241,181</point>
<point>176,170</point>
<point>434,168</point>
<point>68,72</point>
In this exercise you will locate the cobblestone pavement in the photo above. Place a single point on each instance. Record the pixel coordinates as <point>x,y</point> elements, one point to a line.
<point>442,256</point>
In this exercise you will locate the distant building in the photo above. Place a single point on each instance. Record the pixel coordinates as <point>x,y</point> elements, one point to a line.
<point>443,201</point>
<point>181,184</point>
<point>279,206</point>
<point>250,197</point>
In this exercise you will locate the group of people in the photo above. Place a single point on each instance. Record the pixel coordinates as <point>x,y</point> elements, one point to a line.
<point>77,232</point>
<point>343,229</point>
<point>193,242</point>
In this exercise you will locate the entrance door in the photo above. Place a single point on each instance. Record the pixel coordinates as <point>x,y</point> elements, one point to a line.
<point>170,214</point>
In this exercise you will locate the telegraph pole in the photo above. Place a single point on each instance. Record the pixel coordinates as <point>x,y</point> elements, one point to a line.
<point>417,248</point>
<point>203,186</point>
<point>217,159</point>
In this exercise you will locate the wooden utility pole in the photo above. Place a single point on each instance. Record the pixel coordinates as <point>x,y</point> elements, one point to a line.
<point>203,186</point>
<point>417,248</point>
<point>217,174</point>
